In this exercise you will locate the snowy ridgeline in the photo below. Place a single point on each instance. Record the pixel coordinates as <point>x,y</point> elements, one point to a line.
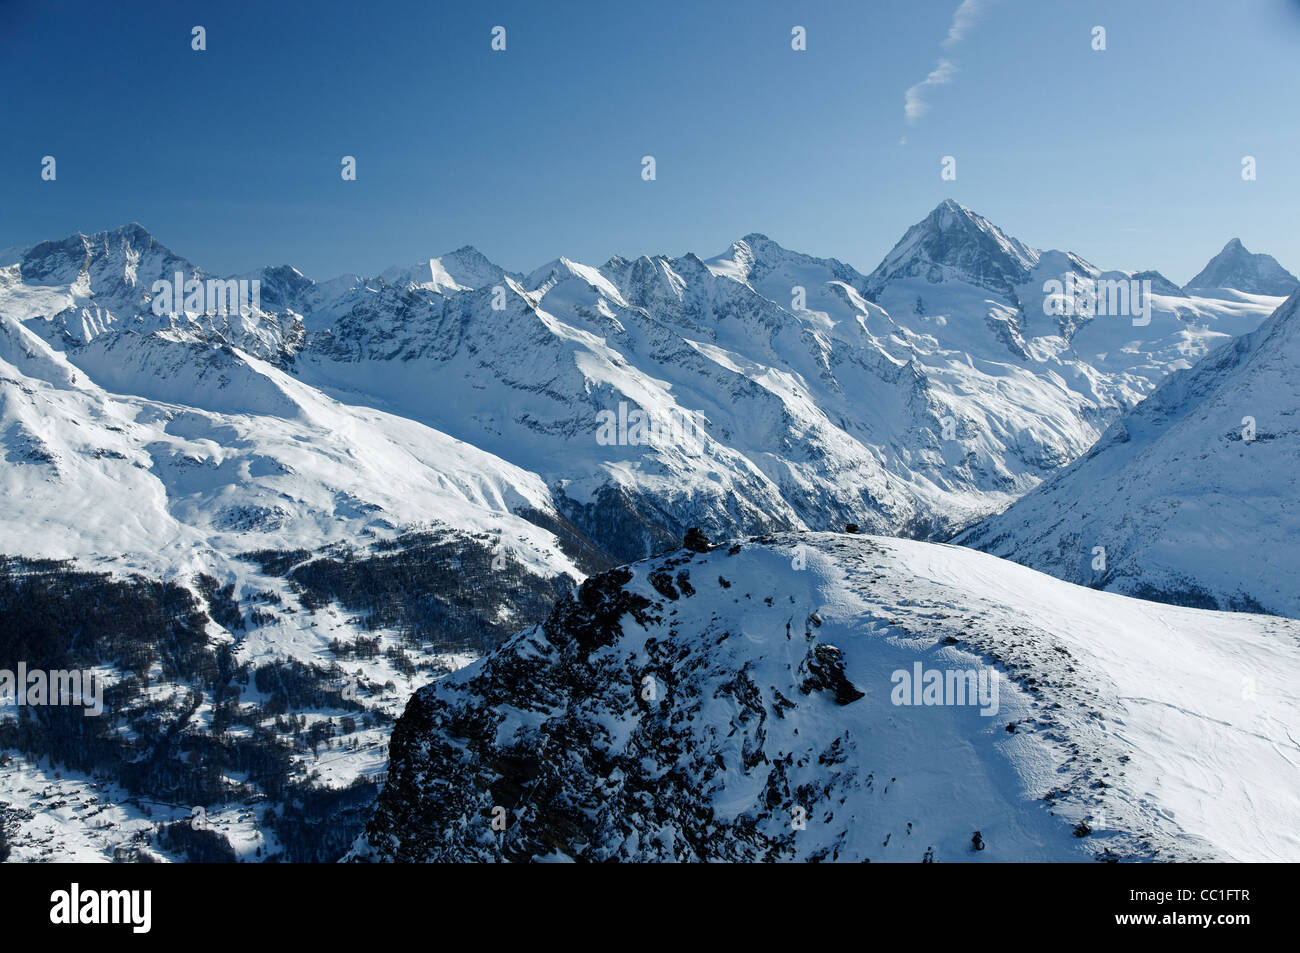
<point>776,390</point>
<point>1190,498</point>
<point>360,484</point>
<point>839,697</point>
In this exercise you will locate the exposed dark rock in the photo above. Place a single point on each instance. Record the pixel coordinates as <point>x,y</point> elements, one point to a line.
<point>824,666</point>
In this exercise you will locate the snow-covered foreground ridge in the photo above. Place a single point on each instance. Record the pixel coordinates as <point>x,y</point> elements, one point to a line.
<point>742,703</point>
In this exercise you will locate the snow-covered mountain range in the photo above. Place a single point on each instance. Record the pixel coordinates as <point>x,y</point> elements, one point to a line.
<point>353,486</point>
<point>779,390</point>
<point>1192,496</point>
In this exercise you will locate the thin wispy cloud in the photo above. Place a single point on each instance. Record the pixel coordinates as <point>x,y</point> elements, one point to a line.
<point>966,16</point>
<point>914,104</point>
<point>963,20</point>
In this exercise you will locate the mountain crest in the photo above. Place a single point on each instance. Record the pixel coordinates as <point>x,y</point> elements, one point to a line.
<point>464,269</point>
<point>955,242</point>
<point>116,267</point>
<point>1237,268</point>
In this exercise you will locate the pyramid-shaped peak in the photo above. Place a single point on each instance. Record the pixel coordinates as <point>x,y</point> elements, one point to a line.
<point>1239,269</point>
<point>956,243</point>
<point>950,214</point>
<point>468,254</point>
<point>952,205</point>
<point>464,269</point>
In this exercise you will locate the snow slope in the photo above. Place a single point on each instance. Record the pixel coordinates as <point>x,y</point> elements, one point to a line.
<point>449,414</point>
<point>158,447</point>
<point>1192,495</point>
<point>912,401</point>
<point>741,704</point>
<point>783,391</point>
<point>167,455</point>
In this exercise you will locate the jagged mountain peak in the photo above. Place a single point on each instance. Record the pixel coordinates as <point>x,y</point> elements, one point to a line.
<point>467,252</point>
<point>562,269</point>
<point>116,266</point>
<point>283,287</point>
<point>60,261</point>
<point>465,269</point>
<point>755,258</point>
<point>954,241</point>
<point>761,245</point>
<point>1236,267</point>
<point>761,249</point>
<point>469,259</point>
<point>132,233</point>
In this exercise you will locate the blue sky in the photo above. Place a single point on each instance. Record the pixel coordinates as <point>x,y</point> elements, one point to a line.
<point>1130,157</point>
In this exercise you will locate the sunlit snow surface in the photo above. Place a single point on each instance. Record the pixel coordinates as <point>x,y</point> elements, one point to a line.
<point>352,410</point>
<point>1192,495</point>
<point>1168,732</point>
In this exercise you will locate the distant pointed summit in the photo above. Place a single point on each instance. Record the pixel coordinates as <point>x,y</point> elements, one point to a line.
<point>466,268</point>
<point>953,241</point>
<point>1237,268</point>
<point>1159,283</point>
